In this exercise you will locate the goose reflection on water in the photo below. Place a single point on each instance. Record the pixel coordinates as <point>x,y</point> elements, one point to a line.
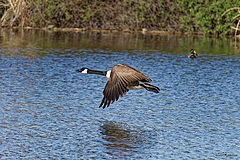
<point>119,137</point>
<point>121,141</point>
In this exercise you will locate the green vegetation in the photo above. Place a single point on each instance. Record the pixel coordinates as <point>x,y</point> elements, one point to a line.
<point>208,17</point>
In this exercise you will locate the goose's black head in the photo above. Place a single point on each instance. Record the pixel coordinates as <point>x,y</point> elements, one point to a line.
<point>82,70</point>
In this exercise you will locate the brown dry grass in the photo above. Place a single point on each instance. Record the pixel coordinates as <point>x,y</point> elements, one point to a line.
<point>14,11</point>
<point>236,18</point>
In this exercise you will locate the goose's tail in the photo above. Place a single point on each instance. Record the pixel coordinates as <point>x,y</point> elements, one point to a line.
<point>151,88</point>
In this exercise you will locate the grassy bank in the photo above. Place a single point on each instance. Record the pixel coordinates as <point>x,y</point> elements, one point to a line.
<point>207,17</point>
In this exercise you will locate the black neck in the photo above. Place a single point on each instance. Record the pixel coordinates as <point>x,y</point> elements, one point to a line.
<point>104,73</point>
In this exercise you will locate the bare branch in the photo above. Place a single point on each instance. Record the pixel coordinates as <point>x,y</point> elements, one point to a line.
<point>234,8</point>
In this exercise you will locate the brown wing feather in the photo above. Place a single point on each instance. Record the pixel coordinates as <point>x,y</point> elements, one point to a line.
<point>121,76</point>
<point>129,73</point>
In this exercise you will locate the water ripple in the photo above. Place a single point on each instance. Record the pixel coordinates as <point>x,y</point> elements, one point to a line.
<point>49,111</point>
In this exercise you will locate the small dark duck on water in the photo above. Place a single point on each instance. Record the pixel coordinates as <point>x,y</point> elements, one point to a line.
<point>193,54</point>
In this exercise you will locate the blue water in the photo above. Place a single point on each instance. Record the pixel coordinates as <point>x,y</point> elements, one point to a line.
<point>50,111</point>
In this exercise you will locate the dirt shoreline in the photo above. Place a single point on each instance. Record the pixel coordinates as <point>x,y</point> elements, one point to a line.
<point>144,31</point>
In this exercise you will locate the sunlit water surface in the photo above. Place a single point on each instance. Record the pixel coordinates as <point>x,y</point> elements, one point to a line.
<point>49,111</point>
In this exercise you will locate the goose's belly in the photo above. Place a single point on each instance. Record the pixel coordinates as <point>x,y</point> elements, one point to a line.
<point>134,87</point>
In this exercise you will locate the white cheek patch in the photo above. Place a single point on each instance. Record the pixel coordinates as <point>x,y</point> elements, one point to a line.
<point>85,71</point>
<point>108,74</point>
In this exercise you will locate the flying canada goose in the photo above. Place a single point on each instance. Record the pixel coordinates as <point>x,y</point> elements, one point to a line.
<point>193,54</point>
<point>121,79</point>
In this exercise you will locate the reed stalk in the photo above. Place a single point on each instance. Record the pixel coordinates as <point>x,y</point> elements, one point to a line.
<point>14,13</point>
<point>235,18</point>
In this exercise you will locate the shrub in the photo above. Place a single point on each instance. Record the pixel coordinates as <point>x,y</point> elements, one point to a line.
<point>208,17</point>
